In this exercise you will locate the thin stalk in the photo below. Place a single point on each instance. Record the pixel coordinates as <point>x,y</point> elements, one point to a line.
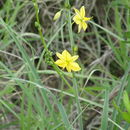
<point>70,32</point>
<point>77,101</point>
<point>38,25</point>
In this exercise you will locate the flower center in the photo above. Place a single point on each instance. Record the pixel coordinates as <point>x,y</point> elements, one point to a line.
<point>82,19</point>
<point>67,62</point>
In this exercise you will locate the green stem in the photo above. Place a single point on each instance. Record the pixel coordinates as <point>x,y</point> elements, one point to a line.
<point>67,4</point>
<point>70,32</point>
<point>38,25</point>
<point>75,86</point>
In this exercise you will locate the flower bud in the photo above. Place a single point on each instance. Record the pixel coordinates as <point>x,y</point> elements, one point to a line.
<point>57,15</point>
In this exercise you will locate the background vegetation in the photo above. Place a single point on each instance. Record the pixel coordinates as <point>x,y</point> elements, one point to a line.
<point>33,96</point>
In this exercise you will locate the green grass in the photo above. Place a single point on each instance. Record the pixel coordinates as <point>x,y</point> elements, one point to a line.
<point>37,94</point>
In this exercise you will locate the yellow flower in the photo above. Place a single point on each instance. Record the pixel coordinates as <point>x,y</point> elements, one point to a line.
<point>67,61</point>
<point>80,18</point>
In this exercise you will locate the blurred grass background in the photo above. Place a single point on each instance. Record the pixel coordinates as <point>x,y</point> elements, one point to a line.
<point>33,96</point>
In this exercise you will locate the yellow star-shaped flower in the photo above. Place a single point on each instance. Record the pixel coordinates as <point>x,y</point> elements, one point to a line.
<point>80,18</point>
<point>67,61</point>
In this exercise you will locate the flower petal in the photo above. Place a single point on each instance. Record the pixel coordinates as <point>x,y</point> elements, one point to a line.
<point>79,27</point>
<point>73,58</point>
<point>66,55</point>
<point>77,19</point>
<point>77,11</point>
<point>84,25</point>
<point>74,66</point>
<point>68,68</point>
<point>61,63</point>
<point>59,56</point>
<point>87,18</point>
<point>82,11</point>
